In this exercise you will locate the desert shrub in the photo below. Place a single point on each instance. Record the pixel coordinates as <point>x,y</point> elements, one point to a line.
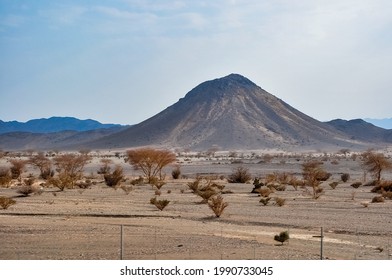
<point>26,190</point>
<point>194,186</point>
<point>377,199</point>
<point>5,177</point>
<point>265,192</point>
<point>333,185</point>
<point>138,181</point>
<point>114,178</point>
<point>257,183</point>
<point>317,192</point>
<point>217,205</point>
<point>265,201</point>
<point>159,184</point>
<point>46,174</point>
<point>158,192</point>
<point>295,182</point>
<point>271,178</point>
<point>206,194</point>
<point>17,167</point>
<point>280,201</point>
<point>84,184</point>
<point>375,163</point>
<point>61,181</point>
<point>240,175</point>
<point>356,185</point>
<point>29,181</point>
<point>382,186</point>
<point>176,172</point>
<point>216,185</point>
<point>6,202</point>
<point>127,189</point>
<point>284,178</point>
<point>282,237</point>
<point>160,204</point>
<point>313,174</point>
<point>387,195</point>
<point>44,165</point>
<point>105,167</point>
<point>345,177</point>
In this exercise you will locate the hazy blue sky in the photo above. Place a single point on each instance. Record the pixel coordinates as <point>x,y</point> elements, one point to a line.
<point>124,61</point>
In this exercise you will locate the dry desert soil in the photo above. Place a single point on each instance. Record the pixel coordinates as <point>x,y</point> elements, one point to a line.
<point>86,223</point>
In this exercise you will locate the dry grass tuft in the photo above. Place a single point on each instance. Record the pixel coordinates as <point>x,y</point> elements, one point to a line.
<point>6,202</point>
<point>217,205</point>
<point>280,201</point>
<point>377,199</point>
<point>333,185</point>
<point>160,204</point>
<point>265,201</point>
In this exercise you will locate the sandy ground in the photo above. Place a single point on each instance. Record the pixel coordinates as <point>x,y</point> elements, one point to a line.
<point>86,224</point>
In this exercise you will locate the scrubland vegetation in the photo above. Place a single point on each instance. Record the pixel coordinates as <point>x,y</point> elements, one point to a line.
<point>178,183</point>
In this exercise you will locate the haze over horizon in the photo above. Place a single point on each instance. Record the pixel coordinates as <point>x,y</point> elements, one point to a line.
<point>124,61</point>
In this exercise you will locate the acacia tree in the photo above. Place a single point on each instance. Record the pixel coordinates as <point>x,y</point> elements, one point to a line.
<point>150,161</point>
<point>313,174</point>
<point>375,163</point>
<point>70,168</point>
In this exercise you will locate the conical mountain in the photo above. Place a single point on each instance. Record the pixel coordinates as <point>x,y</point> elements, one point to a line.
<point>232,113</point>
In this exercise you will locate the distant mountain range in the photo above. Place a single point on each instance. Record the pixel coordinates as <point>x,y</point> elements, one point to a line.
<point>230,113</point>
<point>383,123</point>
<point>363,131</point>
<point>53,124</point>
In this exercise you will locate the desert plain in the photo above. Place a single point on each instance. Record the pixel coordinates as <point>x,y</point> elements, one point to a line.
<point>101,222</point>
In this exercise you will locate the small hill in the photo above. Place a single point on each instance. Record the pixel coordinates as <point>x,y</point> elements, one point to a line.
<point>53,124</point>
<point>361,130</point>
<point>232,113</point>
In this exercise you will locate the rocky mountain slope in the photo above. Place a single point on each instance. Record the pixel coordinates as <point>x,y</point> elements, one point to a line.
<point>232,113</point>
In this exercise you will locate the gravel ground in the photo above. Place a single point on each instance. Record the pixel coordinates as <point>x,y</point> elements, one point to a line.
<point>86,224</point>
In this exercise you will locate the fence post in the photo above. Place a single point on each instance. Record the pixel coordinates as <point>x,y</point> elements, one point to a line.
<point>122,242</point>
<point>321,236</point>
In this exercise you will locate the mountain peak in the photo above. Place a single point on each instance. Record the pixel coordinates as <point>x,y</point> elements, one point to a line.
<point>228,86</point>
<point>231,112</point>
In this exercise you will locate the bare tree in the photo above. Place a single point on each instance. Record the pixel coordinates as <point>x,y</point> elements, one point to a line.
<point>17,167</point>
<point>150,161</point>
<point>375,163</point>
<point>43,163</point>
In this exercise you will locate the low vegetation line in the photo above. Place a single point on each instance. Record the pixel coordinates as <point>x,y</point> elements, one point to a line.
<point>89,215</point>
